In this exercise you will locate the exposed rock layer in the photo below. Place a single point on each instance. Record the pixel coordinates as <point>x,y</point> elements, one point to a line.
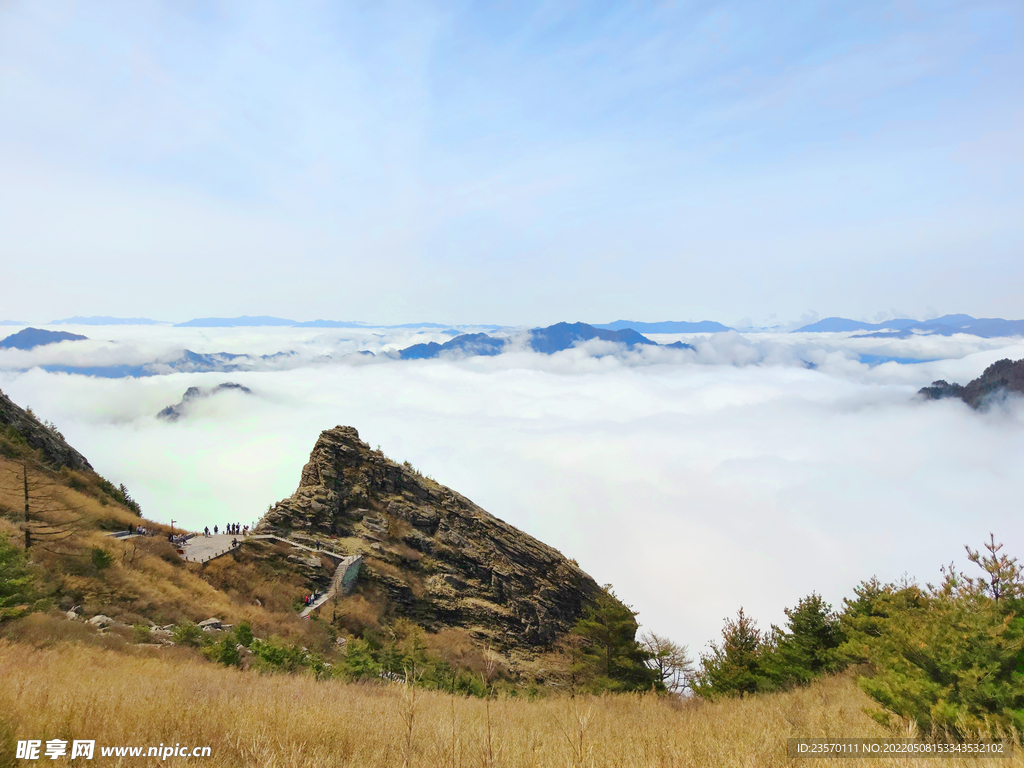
<point>441,559</point>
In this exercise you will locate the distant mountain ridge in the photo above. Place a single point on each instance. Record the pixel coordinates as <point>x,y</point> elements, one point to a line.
<point>467,344</point>
<point>247,321</point>
<point>189,362</point>
<point>104,320</point>
<point>30,338</point>
<point>547,341</point>
<point>562,336</point>
<point>901,328</point>
<point>234,322</point>
<point>669,326</point>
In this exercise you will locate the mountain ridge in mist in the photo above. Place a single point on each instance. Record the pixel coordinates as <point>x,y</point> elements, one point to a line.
<point>105,320</point>
<point>1002,378</point>
<point>192,394</point>
<point>902,328</point>
<point>546,341</point>
<point>667,326</point>
<point>30,338</point>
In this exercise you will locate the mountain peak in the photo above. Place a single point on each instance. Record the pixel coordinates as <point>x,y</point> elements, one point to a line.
<point>30,338</point>
<point>439,558</point>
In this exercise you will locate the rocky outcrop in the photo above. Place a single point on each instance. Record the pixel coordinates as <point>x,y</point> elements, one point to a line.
<point>441,559</point>
<point>55,450</point>
<point>1001,378</point>
<point>192,394</point>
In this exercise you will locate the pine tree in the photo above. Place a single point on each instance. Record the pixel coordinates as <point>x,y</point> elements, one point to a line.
<point>735,667</point>
<point>15,580</point>
<point>948,658</point>
<point>809,647</point>
<point>359,661</point>
<point>610,658</point>
<point>1003,573</point>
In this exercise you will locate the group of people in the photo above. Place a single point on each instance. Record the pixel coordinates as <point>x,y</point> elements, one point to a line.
<point>310,599</point>
<point>178,539</point>
<point>140,530</point>
<point>231,529</point>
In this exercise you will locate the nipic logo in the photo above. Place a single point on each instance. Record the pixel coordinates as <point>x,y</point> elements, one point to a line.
<point>29,750</point>
<point>33,749</point>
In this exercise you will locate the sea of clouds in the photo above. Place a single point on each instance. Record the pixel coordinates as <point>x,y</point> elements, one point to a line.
<point>748,472</point>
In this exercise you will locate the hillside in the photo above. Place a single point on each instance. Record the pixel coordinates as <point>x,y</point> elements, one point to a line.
<point>468,590</point>
<point>76,560</point>
<point>1000,379</point>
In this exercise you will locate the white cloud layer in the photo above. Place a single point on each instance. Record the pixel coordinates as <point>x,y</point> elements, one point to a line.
<point>695,482</point>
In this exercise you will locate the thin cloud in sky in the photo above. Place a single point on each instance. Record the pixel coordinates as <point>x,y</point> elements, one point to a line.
<point>510,163</point>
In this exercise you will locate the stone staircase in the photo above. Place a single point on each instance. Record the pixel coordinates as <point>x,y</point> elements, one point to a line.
<point>342,581</point>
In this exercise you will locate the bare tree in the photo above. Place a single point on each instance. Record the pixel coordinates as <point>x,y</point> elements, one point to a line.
<point>49,517</point>
<point>1005,574</point>
<point>671,661</point>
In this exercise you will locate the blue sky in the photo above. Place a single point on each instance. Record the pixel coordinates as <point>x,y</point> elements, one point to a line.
<point>517,163</point>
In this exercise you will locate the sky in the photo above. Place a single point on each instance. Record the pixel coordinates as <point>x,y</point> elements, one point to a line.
<point>513,163</point>
<point>523,164</point>
<point>695,482</point>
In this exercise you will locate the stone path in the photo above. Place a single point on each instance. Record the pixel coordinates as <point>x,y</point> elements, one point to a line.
<point>201,549</point>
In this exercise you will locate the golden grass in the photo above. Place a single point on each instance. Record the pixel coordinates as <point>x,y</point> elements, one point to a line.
<point>77,691</point>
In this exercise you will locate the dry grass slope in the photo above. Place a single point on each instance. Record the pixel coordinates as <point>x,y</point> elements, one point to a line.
<point>78,691</point>
<point>147,579</point>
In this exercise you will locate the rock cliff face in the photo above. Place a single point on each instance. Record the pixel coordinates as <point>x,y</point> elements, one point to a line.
<point>54,448</point>
<point>999,379</point>
<point>441,559</point>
